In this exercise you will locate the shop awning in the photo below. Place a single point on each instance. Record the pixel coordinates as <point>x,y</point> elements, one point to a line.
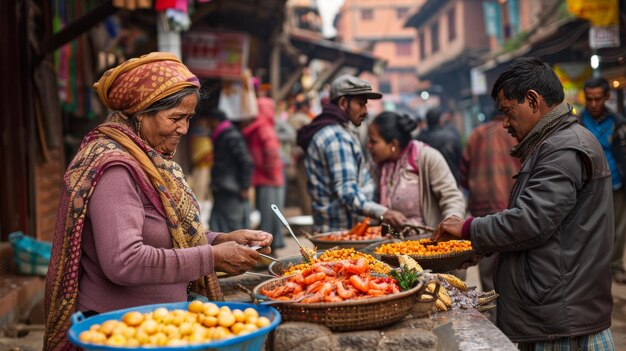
<point>315,47</point>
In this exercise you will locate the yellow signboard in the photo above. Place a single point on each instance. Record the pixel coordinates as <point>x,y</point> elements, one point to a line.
<point>598,12</point>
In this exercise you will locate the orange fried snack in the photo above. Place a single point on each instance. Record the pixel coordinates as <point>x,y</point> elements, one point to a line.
<point>417,247</point>
<point>333,282</point>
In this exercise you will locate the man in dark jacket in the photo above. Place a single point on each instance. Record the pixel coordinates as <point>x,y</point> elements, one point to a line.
<point>609,128</point>
<point>231,174</point>
<point>444,139</point>
<point>553,275</point>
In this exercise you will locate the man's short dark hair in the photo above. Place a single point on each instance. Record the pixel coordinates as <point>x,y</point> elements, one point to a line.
<point>433,116</point>
<point>528,73</point>
<point>597,83</point>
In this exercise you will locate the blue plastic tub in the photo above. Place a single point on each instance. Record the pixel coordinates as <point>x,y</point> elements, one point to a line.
<point>31,256</point>
<point>252,341</point>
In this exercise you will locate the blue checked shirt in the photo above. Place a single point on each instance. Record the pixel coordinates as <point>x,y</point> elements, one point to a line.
<point>339,181</point>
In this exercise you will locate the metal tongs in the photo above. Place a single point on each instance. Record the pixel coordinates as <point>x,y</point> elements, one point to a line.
<point>303,250</point>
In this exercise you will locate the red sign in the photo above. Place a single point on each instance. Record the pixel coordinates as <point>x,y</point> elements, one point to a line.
<point>211,54</point>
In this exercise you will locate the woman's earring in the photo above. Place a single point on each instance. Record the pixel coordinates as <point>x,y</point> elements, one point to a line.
<point>393,149</point>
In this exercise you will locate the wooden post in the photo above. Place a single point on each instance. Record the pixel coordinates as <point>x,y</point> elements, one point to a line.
<point>328,74</point>
<point>275,70</point>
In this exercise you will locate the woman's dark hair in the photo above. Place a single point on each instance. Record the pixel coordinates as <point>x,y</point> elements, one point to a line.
<point>528,73</point>
<point>392,126</point>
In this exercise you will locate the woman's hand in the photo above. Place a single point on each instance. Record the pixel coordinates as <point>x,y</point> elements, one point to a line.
<point>233,258</point>
<point>249,238</point>
<point>394,218</point>
<point>449,229</point>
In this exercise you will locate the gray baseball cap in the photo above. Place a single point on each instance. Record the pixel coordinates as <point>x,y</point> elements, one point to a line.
<point>351,85</point>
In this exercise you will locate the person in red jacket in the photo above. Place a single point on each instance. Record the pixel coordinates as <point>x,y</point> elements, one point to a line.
<point>268,176</point>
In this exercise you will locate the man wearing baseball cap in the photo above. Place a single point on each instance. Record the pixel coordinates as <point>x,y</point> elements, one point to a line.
<point>339,181</point>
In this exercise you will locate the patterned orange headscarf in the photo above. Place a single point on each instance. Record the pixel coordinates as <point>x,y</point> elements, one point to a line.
<point>139,82</point>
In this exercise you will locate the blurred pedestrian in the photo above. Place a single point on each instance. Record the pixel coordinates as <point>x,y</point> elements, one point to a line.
<point>301,117</point>
<point>553,274</point>
<point>444,139</point>
<point>202,160</point>
<point>609,127</point>
<point>412,177</point>
<point>231,173</point>
<point>339,182</point>
<point>487,170</point>
<point>268,177</point>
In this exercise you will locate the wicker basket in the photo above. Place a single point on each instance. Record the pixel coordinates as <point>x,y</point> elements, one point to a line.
<point>323,244</point>
<point>364,314</point>
<point>436,263</point>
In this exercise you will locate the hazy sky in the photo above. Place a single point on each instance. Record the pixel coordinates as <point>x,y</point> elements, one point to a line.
<point>328,9</point>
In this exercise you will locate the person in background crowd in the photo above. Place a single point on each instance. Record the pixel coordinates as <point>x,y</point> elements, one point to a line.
<point>553,274</point>
<point>444,139</point>
<point>609,127</point>
<point>202,159</point>
<point>128,229</point>
<point>412,177</point>
<point>268,177</point>
<point>232,172</point>
<point>487,171</point>
<point>301,117</point>
<point>339,181</point>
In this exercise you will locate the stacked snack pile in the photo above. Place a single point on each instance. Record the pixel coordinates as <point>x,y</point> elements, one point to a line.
<point>342,254</point>
<point>201,323</point>
<point>333,281</point>
<point>424,247</point>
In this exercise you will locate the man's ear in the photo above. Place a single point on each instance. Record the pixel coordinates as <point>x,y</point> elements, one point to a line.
<point>533,99</point>
<point>343,103</point>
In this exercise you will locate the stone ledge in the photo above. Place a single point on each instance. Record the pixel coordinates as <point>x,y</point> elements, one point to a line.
<point>18,295</point>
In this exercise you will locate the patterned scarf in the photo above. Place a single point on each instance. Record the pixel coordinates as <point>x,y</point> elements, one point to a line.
<point>541,131</point>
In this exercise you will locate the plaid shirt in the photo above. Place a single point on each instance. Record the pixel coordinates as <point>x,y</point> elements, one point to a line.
<point>602,341</point>
<point>339,181</point>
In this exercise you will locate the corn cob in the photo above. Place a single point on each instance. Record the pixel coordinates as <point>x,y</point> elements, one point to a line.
<point>440,305</point>
<point>409,263</point>
<point>454,281</point>
<point>426,297</point>
<point>442,295</point>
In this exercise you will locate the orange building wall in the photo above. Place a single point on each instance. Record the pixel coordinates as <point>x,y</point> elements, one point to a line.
<point>380,35</point>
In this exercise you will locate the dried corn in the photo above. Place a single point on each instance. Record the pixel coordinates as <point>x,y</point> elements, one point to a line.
<point>454,281</point>
<point>409,262</point>
<point>442,294</point>
<point>440,305</point>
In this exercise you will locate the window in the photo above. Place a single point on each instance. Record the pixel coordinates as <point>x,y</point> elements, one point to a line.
<point>401,12</point>
<point>422,44</point>
<point>434,37</point>
<point>384,87</point>
<point>451,24</point>
<point>403,48</point>
<point>367,14</point>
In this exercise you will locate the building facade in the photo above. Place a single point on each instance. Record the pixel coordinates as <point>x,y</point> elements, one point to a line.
<point>378,26</point>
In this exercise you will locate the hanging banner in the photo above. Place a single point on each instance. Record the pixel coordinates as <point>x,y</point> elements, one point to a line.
<point>604,37</point>
<point>598,12</point>
<point>215,54</point>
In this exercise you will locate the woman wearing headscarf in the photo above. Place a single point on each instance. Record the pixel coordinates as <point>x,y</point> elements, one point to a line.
<point>412,177</point>
<point>128,229</point>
